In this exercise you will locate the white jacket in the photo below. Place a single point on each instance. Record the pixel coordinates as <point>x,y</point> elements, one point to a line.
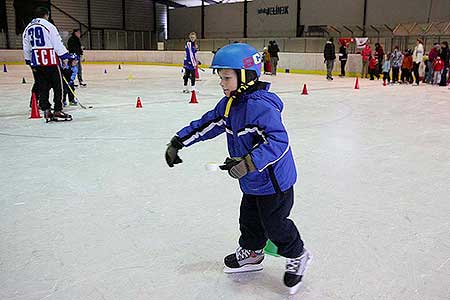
<point>418,53</point>
<point>42,44</point>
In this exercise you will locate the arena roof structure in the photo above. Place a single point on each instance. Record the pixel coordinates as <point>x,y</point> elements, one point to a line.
<point>192,3</point>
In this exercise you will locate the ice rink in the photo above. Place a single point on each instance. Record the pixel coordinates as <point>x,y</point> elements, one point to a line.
<point>89,209</point>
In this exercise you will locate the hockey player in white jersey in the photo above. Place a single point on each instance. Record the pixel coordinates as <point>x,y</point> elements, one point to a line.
<point>43,51</point>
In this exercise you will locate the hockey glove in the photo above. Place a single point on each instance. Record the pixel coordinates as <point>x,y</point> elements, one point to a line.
<point>238,167</point>
<point>173,147</point>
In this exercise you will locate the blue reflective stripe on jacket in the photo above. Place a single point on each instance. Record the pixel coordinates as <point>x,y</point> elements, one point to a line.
<point>254,126</point>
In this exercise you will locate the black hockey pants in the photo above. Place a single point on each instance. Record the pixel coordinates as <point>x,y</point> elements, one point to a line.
<point>266,217</point>
<point>47,78</point>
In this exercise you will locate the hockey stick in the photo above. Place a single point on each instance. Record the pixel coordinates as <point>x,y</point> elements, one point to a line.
<point>74,95</point>
<point>201,69</point>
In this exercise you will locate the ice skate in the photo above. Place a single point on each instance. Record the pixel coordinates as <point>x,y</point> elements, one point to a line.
<point>48,115</point>
<point>73,103</point>
<point>185,90</point>
<point>60,116</point>
<point>295,269</point>
<point>82,84</point>
<point>244,260</point>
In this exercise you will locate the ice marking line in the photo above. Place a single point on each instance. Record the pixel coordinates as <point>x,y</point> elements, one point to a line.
<point>19,203</point>
<point>83,138</point>
<point>442,265</point>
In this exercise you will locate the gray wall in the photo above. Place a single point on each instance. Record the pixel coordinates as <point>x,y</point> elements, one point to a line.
<point>263,25</point>
<point>105,14</point>
<point>182,21</point>
<point>226,20</point>
<point>323,12</point>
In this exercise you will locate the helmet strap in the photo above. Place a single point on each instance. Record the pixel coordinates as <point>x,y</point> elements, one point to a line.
<point>243,87</point>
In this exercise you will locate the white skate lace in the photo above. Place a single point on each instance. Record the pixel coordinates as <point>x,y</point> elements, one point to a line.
<point>242,254</point>
<point>292,265</point>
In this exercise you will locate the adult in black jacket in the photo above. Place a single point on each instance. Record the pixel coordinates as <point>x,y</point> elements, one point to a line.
<point>445,56</point>
<point>273,51</point>
<point>74,46</point>
<point>330,55</point>
<point>343,58</point>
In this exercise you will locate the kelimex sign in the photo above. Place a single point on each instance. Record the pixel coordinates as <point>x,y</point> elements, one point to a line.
<point>274,10</point>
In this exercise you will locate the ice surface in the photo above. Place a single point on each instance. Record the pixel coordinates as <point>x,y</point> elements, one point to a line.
<point>89,210</point>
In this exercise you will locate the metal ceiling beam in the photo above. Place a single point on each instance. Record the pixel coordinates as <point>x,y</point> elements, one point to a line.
<point>170,3</point>
<point>212,2</point>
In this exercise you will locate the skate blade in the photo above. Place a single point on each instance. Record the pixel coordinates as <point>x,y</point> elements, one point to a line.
<point>58,120</point>
<point>243,269</point>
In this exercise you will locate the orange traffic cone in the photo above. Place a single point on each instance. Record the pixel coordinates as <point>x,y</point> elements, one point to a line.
<point>384,82</point>
<point>193,97</point>
<point>356,84</point>
<point>34,108</point>
<point>305,91</point>
<point>138,103</point>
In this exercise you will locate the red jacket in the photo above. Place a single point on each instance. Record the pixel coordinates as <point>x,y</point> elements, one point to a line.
<point>365,53</point>
<point>373,63</point>
<point>438,65</point>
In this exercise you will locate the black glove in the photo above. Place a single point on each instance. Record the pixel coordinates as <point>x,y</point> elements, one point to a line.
<point>238,167</point>
<point>172,157</point>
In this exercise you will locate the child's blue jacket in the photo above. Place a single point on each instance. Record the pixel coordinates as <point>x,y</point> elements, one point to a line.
<point>254,126</point>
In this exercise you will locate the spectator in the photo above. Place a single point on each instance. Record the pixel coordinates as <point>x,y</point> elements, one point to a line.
<point>365,53</point>
<point>273,51</point>
<point>214,52</point>
<point>417,59</point>
<point>386,68</point>
<point>74,45</point>
<point>343,57</point>
<point>266,60</point>
<point>379,54</point>
<point>330,55</point>
<point>396,63</point>
<point>445,56</point>
<point>373,67</point>
<point>434,52</point>
<point>438,66</point>
<point>407,66</point>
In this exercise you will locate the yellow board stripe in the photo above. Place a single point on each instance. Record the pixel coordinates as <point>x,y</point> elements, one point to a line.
<point>145,63</point>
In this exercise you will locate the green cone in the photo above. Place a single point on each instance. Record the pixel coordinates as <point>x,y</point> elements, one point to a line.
<point>271,249</point>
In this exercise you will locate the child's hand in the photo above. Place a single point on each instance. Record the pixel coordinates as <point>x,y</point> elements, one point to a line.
<point>172,157</point>
<point>238,167</point>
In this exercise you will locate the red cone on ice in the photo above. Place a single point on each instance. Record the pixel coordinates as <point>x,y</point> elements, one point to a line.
<point>34,108</point>
<point>305,91</point>
<point>356,84</point>
<point>193,97</point>
<point>197,76</point>
<point>384,82</point>
<point>138,103</point>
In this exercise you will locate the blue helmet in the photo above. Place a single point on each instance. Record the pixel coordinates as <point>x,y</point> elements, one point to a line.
<point>238,56</point>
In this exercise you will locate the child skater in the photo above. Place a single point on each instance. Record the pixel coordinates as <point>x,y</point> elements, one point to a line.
<point>70,72</point>
<point>190,62</point>
<point>386,68</point>
<point>260,158</point>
